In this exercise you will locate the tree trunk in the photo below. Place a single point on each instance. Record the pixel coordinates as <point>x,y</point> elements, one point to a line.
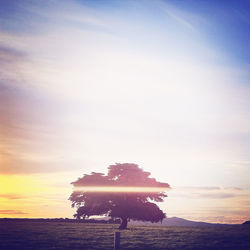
<point>124,223</point>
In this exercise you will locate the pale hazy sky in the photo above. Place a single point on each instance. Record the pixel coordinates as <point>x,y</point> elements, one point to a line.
<point>163,84</point>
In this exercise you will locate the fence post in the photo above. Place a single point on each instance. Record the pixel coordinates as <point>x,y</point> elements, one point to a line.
<point>117,241</point>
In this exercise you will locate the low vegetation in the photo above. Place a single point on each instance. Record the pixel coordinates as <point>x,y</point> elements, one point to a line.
<point>62,235</point>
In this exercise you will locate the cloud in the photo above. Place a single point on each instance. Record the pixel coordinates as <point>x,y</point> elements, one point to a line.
<point>213,196</point>
<point>179,19</point>
<point>12,212</point>
<point>233,188</point>
<point>12,196</point>
<point>209,188</point>
<point>229,219</point>
<point>192,192</point>
<point>9,55</point>
<point>13,64</point>
<point>17,164</point>
<point>211,204</point>
<point>197,188</point>
<point>185,18</point>
<point>30,120</point>
<point>246,186</point>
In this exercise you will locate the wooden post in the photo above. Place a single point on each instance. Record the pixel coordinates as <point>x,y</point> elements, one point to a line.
<point>117,241</point>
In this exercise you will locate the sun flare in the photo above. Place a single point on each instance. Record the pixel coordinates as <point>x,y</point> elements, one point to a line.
<point>103,189</point>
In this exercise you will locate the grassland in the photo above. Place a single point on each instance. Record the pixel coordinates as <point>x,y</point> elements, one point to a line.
<point>61,235</point>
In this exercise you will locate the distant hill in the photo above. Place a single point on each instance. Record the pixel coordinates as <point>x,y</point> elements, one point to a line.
<point>169,222</point>
<point>246,223</point>
<point>175,222</point>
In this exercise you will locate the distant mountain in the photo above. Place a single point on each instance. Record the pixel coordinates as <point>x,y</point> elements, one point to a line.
<point>175,222</point>
<point>167,222</point>
<point>246,223</point>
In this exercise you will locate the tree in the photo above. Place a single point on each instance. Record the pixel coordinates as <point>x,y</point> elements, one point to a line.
<point>119,202</point>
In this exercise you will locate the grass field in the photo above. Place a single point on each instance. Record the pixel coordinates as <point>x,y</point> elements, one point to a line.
<point>61,235</point>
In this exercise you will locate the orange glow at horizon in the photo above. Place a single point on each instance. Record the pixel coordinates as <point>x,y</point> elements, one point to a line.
<point>118,189</point>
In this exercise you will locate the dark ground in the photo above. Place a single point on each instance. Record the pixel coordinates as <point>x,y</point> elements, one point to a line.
<point>61,235</point>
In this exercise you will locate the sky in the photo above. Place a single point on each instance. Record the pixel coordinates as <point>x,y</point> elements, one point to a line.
<point>163,84</point>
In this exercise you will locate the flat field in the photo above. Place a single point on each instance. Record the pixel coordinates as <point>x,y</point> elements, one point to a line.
<point>66,235</point>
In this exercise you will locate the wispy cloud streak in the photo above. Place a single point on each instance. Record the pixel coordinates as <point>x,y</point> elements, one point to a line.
<point>11,212</point>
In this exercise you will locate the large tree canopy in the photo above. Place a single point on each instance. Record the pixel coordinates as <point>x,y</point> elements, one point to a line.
<point>117,202</point>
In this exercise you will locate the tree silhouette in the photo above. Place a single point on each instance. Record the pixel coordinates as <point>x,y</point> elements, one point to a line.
<point>123,204</point>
